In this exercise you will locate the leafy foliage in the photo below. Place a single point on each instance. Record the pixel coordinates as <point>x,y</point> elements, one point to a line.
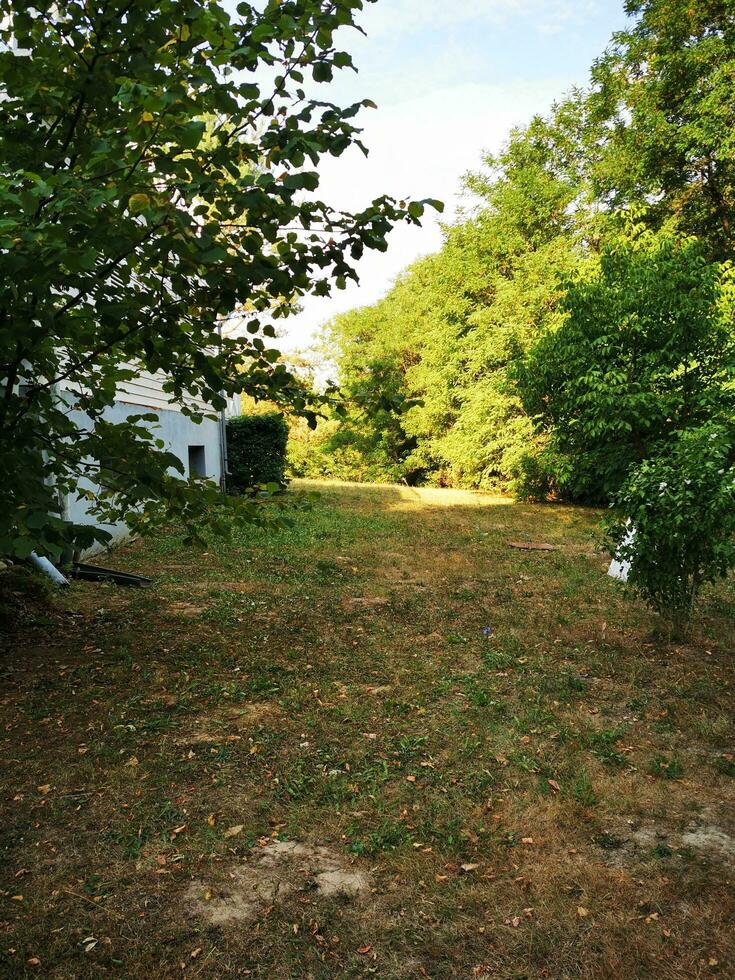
<point>256,450</point>
<point>661,111</point>
<point>157,177</point>
<point>645,350</point>
<point>682,506</point>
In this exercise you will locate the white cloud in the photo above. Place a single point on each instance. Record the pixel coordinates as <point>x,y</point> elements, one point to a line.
<point>396,17</point>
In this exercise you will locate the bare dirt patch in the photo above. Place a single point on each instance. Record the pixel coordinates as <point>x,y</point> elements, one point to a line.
<point>711,840</point>
<point>353,603</point>
<point>706,840</point>
<point>190,609</point>
<point>272,874</point>
<point>229,725</point>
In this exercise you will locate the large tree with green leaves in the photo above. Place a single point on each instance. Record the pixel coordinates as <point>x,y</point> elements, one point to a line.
<point>661,113</point>
<point>157,173</point>
<point>645,349</point>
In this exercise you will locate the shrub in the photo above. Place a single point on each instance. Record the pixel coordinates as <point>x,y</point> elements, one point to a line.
<point>682,506</point>
<point>256,450</point>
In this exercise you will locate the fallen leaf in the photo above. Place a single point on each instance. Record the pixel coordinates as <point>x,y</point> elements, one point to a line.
<point>178,830</point>
<point>582,912</point>
<point>364,950</point>
<point>470,867</point>
<point>195,952</point>
<point>46,788</point>
<point>211,819</point>
<point>132,761</point>
<point>234,831</point>
<point>33,961</point>
<point>554,785</point>
<point>410,779</point>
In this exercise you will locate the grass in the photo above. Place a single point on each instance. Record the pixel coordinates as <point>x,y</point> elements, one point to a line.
<point>535,781</point>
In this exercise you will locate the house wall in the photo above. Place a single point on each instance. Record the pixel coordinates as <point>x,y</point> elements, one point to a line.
<point>177,431</point>
<point>147,389</point>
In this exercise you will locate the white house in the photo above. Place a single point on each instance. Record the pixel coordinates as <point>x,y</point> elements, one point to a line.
<point>201,446</point>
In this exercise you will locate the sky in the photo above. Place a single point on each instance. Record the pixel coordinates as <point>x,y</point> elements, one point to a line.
<point>451,78</point>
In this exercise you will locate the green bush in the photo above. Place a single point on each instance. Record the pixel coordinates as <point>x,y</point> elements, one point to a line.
<point>682,506</point>
<point>256,450</point>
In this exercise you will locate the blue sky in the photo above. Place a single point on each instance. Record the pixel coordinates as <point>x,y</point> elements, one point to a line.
<point>451,78</point>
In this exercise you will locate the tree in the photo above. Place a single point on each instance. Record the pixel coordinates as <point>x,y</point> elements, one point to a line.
<point>636,393</point>
<point>156,173</point>
<point>661,113</point>
<point>645,350</point>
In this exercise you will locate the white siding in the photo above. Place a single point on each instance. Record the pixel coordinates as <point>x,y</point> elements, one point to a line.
<point>146,391</point>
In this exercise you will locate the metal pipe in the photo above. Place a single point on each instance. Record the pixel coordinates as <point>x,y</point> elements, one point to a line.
<point>224,462</point>
<point>45,566</point>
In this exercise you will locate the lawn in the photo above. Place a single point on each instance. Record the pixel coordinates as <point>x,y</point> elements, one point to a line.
<point>381,742</point>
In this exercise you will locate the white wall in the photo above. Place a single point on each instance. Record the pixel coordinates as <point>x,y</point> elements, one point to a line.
<point>178,433</point>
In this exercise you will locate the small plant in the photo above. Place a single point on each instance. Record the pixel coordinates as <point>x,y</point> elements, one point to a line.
<point>662,851</point>
<point>681,505</point>
<point>388,837</point>
<point>583,791</point>
<point>604,745</point>
<point>726,765</point>
<point>609,842</point>
<point>666,768</point>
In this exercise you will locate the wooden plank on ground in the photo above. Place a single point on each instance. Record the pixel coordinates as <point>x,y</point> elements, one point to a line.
<point>532,546</point>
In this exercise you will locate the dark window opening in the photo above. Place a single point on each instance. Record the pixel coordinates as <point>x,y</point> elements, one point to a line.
<point>197,461</point>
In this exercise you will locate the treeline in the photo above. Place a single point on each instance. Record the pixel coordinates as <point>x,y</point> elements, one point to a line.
<point>574,336</point>
<point>478,368</point>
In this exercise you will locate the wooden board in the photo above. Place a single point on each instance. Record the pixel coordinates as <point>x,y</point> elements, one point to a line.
<point>532,546</point>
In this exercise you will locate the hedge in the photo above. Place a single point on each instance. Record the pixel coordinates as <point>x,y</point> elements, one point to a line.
<point>256,450</point>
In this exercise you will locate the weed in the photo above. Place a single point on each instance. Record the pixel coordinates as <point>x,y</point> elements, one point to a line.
<point>604,745</point>
<point>583,791</point>
<point>666,767</point>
